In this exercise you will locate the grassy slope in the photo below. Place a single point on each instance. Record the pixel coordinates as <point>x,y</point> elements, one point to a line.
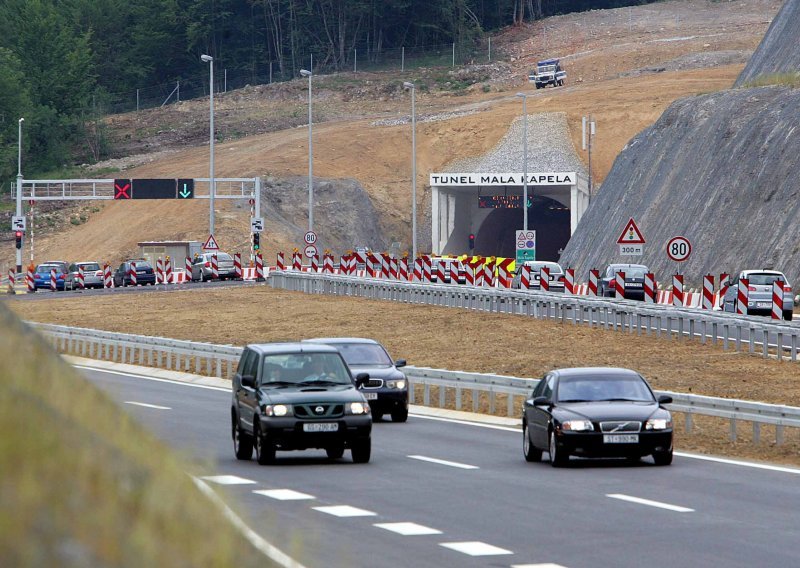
<point>82,485</point>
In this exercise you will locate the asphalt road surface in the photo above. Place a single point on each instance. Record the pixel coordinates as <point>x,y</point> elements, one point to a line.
<point>440,492</point>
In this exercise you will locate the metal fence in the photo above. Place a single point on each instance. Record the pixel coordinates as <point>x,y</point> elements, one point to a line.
<point>435,387</point>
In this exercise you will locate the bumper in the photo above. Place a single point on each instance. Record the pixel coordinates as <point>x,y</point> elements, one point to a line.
<point>591,444</point>
<point>45,285</point>
<point>388,399</point>
<point>288,434</point>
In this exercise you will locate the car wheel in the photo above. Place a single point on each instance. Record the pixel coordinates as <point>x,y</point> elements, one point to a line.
<point>361,450</point>
<point>265,449</point>
<point>558,458</point>
<point>335,452</point>
<point>400,414</point>
<point>663,458</point>
<point>787,315</point>
<point>242,443</point>
<point>529,451</point>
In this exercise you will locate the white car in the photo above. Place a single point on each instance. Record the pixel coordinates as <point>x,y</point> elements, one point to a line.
<point>759,293</point>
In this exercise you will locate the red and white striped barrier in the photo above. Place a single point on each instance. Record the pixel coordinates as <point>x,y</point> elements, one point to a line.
<point>708,292</point>
<point>777,300</point>
<point>296,261</point>
<point>53,283</point>
<point>677,290</point>
<point>594,277</point>
<point>237,266</point>
<point>504,273</point>
<point>619,285</point>
<point>259,267</point>
<point>723,287</point>
<point>402,269</point>
<point>477,270</point>
<point>742,293</point>
<point>132,273</point>
<point>81,278</point>
<point>427,269</point>
<point>12,276</point>
<point>360,258</point>
<point>525,277</point>
<point>327,263</point>
<point>544,279</point>
<point>108,281</point>
<point>454,272</point>
<point>281,265</point>
<point>168,271</point>
<point>440,268</point>
<point>416,275</point>
<point>469,273</point>
<point>214,267</point>
<point>187,270</point>
<point>30,281</point>
<point>315,264</point>
<point>488,275</point>
<point>649,288</point>
<point>372,266</point>
<point>159,271</point>
<point>569,281</point>
<point>394,269</point>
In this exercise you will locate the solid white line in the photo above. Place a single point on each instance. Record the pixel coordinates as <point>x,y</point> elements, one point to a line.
<point>650,503</point>
<point>444,462</point>
<point>547,565</point>
<point>728,461</point>
<point>157,407</point>
<point>109,371</point>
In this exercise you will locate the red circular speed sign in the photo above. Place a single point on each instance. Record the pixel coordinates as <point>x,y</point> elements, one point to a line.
<point>679,249</point>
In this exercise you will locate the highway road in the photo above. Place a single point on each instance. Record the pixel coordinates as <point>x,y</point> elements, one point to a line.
<point>441,492</point>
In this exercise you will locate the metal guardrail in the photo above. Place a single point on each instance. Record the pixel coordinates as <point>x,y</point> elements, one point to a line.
<point>438,386</point>
<point>779,340</point>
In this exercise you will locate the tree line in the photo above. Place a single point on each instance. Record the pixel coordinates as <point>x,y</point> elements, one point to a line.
<point>60,59</point>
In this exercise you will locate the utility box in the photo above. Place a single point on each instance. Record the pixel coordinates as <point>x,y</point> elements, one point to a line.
<point>177,251</point>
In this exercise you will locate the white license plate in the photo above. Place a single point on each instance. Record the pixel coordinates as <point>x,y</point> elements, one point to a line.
<point>321,427</point>
<point>371,395</point>
<point>763,304</point>
<point>633,285</point>
<point>620,438</point>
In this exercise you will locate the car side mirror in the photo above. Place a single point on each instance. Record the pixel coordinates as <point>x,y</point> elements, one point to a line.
<point>249,381</point>
<point>400,363</point>
<point>361,379</point>
<point>541,401</point>
<point>664,399</point>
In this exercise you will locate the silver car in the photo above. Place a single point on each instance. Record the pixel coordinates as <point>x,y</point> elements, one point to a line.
<point>201,266</point>
<point>556,275</point>
<point>759,293</point>
<point>92,275</point>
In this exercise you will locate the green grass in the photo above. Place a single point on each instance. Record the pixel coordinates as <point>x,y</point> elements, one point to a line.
<point>81,484</point>
<point>786,79</point>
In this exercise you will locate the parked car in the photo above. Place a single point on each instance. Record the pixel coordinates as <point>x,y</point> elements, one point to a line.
<point>295,396</point>
<point>596,412</point>
<point>387,387</point>
<point>634,281</point>
<point>556,275</point>
<point>201,266</point>
<point>759,294</point>
<point>446,262</point>
<point>41,276</point>
<point>144,273</point>
<point>92,275</point>
<point>547,72</point>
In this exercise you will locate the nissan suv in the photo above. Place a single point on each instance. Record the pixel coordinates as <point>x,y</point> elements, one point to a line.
<point>296,396</point>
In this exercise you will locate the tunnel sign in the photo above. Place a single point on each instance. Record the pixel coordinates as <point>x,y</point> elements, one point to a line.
<point>631,241</point>
<point>526,246</point>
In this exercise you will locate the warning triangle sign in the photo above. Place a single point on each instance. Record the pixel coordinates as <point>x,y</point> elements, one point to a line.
<point>631,235</point>
<point>211,244</point>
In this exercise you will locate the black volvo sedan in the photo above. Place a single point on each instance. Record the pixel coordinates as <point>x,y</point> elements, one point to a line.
<point>596,412</point>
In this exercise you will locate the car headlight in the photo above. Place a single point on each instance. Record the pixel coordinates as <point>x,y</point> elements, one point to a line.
<point>278,409</point>
<point>658,424</point>
<point>358,408</point>
<point>400,384</point>
<point>577,426</point>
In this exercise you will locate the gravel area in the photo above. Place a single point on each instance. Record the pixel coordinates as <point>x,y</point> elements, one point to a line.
<point>424,118</point>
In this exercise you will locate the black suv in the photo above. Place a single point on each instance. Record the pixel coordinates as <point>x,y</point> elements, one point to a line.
<point>295,396</point>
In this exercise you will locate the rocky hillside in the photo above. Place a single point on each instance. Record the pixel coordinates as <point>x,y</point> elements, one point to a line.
<point>779,52</point>
<point>719,169</point>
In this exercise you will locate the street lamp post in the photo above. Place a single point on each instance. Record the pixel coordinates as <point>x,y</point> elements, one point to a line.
<point>525,160</point>
<point>212,183</point>
<point>411,86</point>
<point>309,74</point>
<point>19,189</point>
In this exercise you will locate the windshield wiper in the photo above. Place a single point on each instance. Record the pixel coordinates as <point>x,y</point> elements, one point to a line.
<point>575,400</point>
<point>320,382</point>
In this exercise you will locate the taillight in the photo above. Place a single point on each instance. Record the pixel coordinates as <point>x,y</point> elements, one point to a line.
<point>751,288</point>
<point>207,265</point>
<point>787,288</point>
<point>61,277</point>
<point>98,273</point>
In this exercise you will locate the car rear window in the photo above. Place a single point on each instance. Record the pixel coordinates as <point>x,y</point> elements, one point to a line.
<point>90,266</point>
<point>46,268</point>
<point>764,279</point>
<point>140,264</point>
<point>224,256</point>
<point>364,354</point>
<point>604,387</point>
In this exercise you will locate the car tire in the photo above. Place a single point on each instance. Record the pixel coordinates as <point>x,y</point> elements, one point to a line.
<point>265,449</point>
<point>400,414</point>
<point>531,453</point>
<point>242,443</point>
<point>335,452</point>
<point>361,449</point>
<point>558,458</point>
<point>663,458</point>
<point>787,315</point>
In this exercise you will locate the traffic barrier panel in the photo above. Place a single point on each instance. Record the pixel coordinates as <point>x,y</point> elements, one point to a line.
<point>569,282</point>
<point>708,292</point>
<point>315,264</point>
<point>168,270</point>
<point>12,275</point>
<point>525,277</point>
<point>29,279</point>
<point>385,268</point>
<point>440,271</point>
<point>619,285</point>
<point>454,266</point>
<point>81,278</point>
<point>327,263</point>
<point>488,274</point>
<point>53,283</point>
<point>649,288</point>
<point>132,273</point>
<point>402,268</point>
<point>214,267</point>
<point>296,261</point>
<point>594,277</point>
<point>777,300</point>
<point>159,270</point>
<point>394,271</point>
<point>427,269</point>
<point>504,273</point>
<point>677,290</point>
<point>723,287</point>
<point>742,294</point>
<point>544,279</point>
<point>108,281</point>
<point>237,266</point>
<point>259,267</point>
<point>281,265</point>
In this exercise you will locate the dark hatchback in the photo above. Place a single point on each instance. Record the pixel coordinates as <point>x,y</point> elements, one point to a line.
<point>296,396</point>
<point>387,387</point>
<point>596,412</point>
<point>144,273</point>
<point>634,281</point>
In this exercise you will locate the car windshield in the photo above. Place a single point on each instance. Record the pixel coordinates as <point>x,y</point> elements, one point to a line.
<point>90,266</point>
<point>364,354</point>
<point>765,279</point>
<point>304,368</point>
<point>603,387</point>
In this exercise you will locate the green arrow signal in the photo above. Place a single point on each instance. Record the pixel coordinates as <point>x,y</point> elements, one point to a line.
<point>530,203</point>
<point>185,193</point>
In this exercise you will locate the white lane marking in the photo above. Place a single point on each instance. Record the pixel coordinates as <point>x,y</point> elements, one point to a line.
<point>228,480</point>
<point>475,548</point>
<point>267,549</point>
<point>444,462</point>
<point>156,379</point>
<point>468,423</point>
<point>648,502</point>
<point>284,494</point>
<point>407,529</point>
<point>727,461</point>
<point>345,511</point>
<point>547,565</point>
<point>144,404</point>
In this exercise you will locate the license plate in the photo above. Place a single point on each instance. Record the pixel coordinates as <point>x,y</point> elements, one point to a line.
<point>371,395</point>
<point>620,438</point>
<point>633,285</point>
<point>321,427</point>
<point>763,304</point>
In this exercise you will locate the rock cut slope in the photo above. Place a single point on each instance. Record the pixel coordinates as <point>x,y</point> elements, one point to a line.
<point>780,50</point>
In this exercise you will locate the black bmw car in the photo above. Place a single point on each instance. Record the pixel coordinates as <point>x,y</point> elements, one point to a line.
<point>596,412</point>
<point>387,388</point>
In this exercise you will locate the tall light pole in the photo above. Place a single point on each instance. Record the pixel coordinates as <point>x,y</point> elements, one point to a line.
<point>588,130</point>
<point>19,189</point>
<point>524,97</point>
<point>411,86</point>
<point>309,74</point>
<point>212,188</point>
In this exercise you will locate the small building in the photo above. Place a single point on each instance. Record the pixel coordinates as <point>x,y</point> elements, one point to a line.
<point>177,251</point>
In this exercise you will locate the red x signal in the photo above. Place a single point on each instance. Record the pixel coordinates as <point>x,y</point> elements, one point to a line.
<point>121,189</point>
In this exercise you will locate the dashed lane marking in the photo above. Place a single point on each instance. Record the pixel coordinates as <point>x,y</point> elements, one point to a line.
<point>145,405</point>
<point>649,503</point>
<point>547,565</point>
<point>444,462</point>
<point>344,511</point>
<point>228,480</point>
<point>407,529</point>
<point>475,548</point>
<point>284,494</point>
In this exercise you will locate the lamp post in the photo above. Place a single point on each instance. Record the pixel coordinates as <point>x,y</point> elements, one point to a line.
<point>19,189</point>
<point>309,74</point>
<point>525,160</point>
<point>411,86</point>
<point>212,183</point>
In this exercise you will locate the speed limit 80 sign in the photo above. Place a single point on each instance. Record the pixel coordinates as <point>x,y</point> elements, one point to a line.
<point>679,249</point>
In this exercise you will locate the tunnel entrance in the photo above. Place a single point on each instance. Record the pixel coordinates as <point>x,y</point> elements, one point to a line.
<point>549,218</point>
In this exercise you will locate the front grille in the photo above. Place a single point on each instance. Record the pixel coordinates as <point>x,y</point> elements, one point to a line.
<point>310,410</point>
<point>373,383</point>
<point>621,426</point>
